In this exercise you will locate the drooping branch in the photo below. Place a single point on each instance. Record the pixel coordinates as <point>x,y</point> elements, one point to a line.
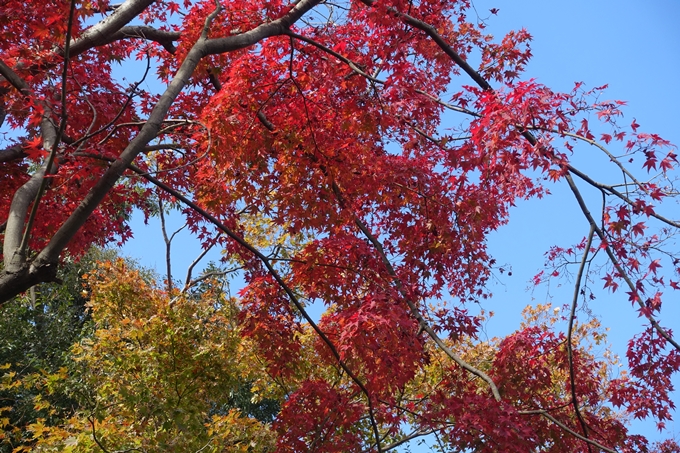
<point>419,317</point>
<point>592,442</point>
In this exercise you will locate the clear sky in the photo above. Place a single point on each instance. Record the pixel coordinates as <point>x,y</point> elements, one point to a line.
<point>634,46</point>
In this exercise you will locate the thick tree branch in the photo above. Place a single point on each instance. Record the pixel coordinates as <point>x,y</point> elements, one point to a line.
<point>14,257</point>
<point>100,33</point>
<point>164,38</point>
<point>47,128</point>
<point>152,126</point>
<point>14,152</point>
<point>60,131</point>
<point>448,50</point>
<point>251,37</point>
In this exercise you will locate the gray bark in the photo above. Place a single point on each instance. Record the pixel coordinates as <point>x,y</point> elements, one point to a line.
<point>100,33</point>
<point>14,230</point>
<point>22,276</point>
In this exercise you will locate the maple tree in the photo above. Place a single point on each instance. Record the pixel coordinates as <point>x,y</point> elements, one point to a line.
<point>148,375</point>
<point>37,331</point>
<point>322,122</point>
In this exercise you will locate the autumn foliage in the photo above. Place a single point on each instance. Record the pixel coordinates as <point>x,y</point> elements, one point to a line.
<point>344,154</point>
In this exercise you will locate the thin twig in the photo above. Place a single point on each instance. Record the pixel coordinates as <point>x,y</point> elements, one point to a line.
<point>193,264</point>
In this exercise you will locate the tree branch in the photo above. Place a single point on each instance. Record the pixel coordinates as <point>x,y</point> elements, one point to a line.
<point>278,27</point>
<point>60,131</point>
<point>340,57</point>
<point>634,294</point>
<point>416,313</point>
<point>100,33</point>
<point>14,257</point>
<point>440,41</point>
<point>164,38</point>
<point>152,126</point>
<point>611,190</point>
<point>14,152</point>
<point>569,430</point>
<point>47,129</point>
<point>570,332</point>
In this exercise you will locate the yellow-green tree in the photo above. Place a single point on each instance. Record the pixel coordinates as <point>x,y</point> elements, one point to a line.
<point>161,373</point>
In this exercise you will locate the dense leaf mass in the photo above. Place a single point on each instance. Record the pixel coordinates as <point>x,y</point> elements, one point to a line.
<point>343,154</point>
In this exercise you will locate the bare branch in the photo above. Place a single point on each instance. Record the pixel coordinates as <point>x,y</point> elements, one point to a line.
<point>612,191</point>
<point>162,37</point>
<point>14,152</point>
<point>449,106</point>
<point>570,332</point>
<point>193,264</point>
<point>265,122</point>
<point>168,244</point>
<point>619,268</point>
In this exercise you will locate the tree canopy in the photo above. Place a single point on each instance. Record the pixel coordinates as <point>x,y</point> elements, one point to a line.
<point>355,154</point>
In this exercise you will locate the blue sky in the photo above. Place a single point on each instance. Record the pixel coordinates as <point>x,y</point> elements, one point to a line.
<point>635,48</point>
